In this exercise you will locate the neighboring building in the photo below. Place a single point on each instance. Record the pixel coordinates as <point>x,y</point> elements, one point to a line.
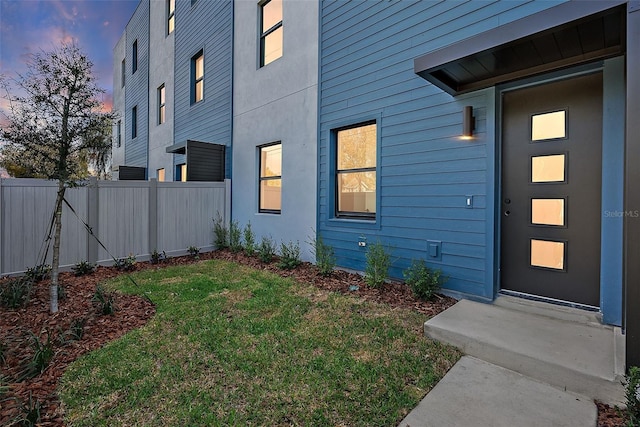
<point>275,119</point>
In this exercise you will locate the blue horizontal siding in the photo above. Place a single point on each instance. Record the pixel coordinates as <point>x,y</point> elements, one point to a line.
<point>206,26</point>
<point>425,170</point>
<point>137,84</point>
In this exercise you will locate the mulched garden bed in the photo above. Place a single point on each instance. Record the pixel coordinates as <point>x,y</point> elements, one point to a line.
<point>19,326</point>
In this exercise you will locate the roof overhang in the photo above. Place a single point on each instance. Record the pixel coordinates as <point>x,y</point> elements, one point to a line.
<point>179,148</point>
<point>572,33</point>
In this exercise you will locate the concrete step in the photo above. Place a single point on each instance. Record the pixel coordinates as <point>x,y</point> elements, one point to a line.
<point>559,347</point>
<point>475,393</point>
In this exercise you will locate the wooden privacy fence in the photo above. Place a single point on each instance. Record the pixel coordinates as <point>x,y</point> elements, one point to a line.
<point>129,218</point>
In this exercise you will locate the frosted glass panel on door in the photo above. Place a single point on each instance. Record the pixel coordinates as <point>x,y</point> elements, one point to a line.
<point>548,168</point>
<point>547,211</point>
<point>547,254</point>
<point>548,126</point>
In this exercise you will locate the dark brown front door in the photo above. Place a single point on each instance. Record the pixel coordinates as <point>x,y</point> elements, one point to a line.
<point>551,190</point>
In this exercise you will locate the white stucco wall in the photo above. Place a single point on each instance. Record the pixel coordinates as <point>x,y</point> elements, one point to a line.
<point>161,71</point>
<point>117,153</point>
<point>277,102</point>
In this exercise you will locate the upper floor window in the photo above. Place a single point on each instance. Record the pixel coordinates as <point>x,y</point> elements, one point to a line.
<point>356,158</point>
<point>134,66</point>
<point>119,134</point>
<point>134,122</point>
<point>270,31</point>
<point>171,16</point>
<point>161,105</point>
<point>160,174</point>
<point>123,72</point>
<point>197,77</point>
<point>270,181</point>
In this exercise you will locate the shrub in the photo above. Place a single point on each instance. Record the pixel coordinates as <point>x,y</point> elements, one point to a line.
<point>104,300</point>
<point>127,263</point>
<point>423,281</point>
<point>220,232</point>
<point>157,257</point>
<point>325,258</point>
<point>289,255</point>
<point>378,263</point>
<point>38,273</point>
<point>194,252</point>
<point>266,249</point>
<point>249,240</point>
<point>83,268</point>
<point>235,237</point>
<point>62,292</point>
<point>632,395</point>
<point>15,293</point>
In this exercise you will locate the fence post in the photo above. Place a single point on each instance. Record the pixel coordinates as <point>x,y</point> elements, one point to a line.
<point>93,215</point>
<point>153,215</point>
<point>227,202</point>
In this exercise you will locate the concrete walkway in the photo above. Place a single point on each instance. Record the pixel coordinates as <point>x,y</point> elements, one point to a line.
<point>475,393</point>
<point>532,364</point>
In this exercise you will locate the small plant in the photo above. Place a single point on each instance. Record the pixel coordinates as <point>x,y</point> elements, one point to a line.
<point>249,240</point>
<point>194,252</point>
<point>16,292</point>
<point>325,257</point>
<point>266,249</point>
<point>378,263</point>
<point>83,268</point>
<point>423,281</point>
<point>62,292</point>
<point>75,331</point>
<point>30,412</point>
<point>104,300</point>
<point>289,255</point>
<point>220,232</point>
<point>632,395</point>
<point>4,386</point>
<point>127,263</point>
<point>157,257</point>
<point>43,352</point>
<point>3,353</point>
<point>38,273</point>
<point>235,237</point>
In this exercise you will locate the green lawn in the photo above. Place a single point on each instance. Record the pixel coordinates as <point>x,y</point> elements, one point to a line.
<point>231,345</point>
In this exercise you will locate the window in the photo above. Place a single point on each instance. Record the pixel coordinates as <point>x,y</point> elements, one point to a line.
<point>171,16</point>
<point>123,70</point>
<point>161,105</point>
<point>134,122</point>
<point>197,78</point>
<point>270,31</point>
<point>356,171</point>
<point>270,182</point>
<point>160,174</point>
<point>119,134</point>
<point>134,66</point>
<point>181,172</point>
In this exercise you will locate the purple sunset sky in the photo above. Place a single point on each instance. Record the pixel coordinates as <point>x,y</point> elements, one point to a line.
<point>28,26</point>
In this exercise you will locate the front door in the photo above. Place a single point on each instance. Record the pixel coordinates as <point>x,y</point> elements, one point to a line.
<point>551,190</point>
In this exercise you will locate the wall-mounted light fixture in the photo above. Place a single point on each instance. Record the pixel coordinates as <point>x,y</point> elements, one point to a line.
<point>468,122</point>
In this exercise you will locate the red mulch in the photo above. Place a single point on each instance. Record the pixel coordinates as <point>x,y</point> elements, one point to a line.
<point>133,312</point>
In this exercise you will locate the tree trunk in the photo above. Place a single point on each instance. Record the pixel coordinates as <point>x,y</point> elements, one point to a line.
<point>55,263</point>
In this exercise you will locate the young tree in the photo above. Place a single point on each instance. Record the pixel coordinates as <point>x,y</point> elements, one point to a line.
<point>55,125</point>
